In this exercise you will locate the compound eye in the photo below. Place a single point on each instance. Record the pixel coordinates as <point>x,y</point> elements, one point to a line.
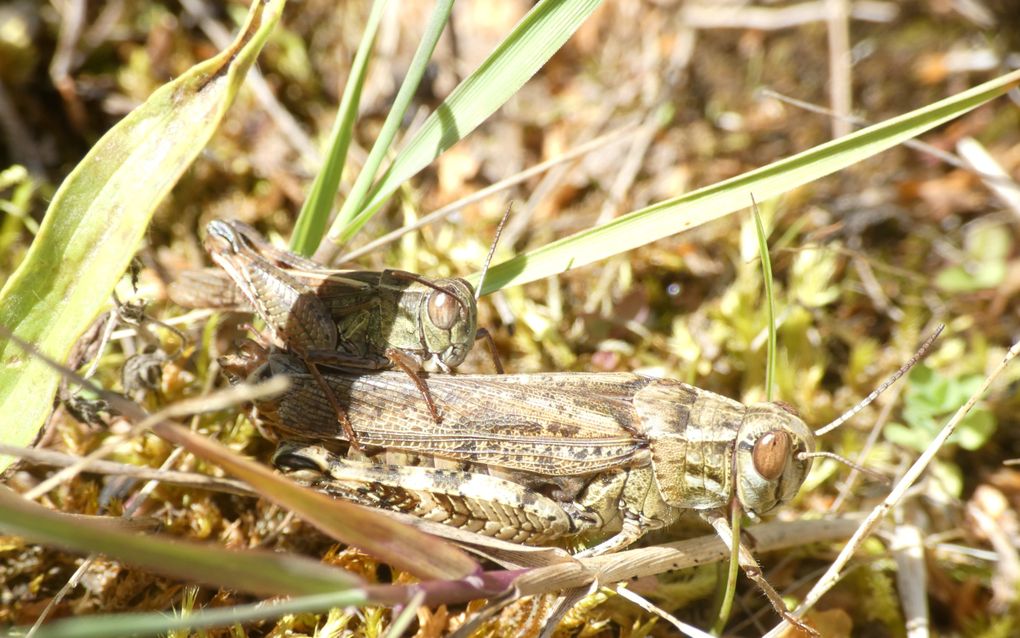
<point>443,310</point>
<point>771,453</point>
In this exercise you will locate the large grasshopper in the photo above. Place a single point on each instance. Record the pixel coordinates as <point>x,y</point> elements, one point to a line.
<point>352,320</point>
<point>542,458</point>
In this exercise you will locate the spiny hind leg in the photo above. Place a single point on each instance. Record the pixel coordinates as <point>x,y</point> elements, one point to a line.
<point>473,501</point>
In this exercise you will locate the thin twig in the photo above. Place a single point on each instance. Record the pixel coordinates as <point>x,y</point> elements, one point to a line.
<point>290,130</point>
<point>453,207</point>
<point>895,496</point>
<point>710,16</point>
<point>840,90</point>
<point>681,626</point>
<point>95,466</point>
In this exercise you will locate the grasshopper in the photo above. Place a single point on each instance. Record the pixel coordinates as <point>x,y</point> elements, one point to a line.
<point>374,316</point>
<point>543,458</point>
<point>352,320</point>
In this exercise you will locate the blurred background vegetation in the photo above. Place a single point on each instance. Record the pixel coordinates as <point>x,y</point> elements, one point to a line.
<point>866,261</point>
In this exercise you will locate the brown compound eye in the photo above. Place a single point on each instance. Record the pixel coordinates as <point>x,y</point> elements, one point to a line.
<point>443,310</point>
<point>771,453</point>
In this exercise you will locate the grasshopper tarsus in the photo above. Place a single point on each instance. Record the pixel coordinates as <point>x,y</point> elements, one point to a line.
<point>411,367</point>
<point>484,335</point>
<point>634,527</point>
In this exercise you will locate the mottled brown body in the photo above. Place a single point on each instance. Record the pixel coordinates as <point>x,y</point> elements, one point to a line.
<point>355,319</point>
<point>595,452</point>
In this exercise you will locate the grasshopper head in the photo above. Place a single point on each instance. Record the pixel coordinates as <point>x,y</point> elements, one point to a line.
<point>220,237</point>
<point>448,321</point>
<point>248,358</point>
<point>767,465</point>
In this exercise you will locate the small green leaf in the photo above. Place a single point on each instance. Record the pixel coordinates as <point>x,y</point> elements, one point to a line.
<point>910,438</point>
<point>975,429</point>
<point>987,247</point>
<point>929,400</point>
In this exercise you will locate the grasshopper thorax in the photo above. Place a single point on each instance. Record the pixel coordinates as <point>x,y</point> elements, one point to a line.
<point>768,468</point>
<point>448,321</point>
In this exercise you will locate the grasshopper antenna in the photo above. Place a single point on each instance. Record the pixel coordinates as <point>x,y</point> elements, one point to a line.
<point>492,250</point>
<point>845,461</point>
<point>920,354</point>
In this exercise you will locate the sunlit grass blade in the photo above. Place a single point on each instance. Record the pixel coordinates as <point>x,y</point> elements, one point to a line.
<point>528,46</point>
<point>362,185</point>
<point>770,307</point>
<point>311,222</point>
<point>730,582</point>
<point>99,215</point>
<point>259,572</point>
<point>712,202</point>
<point>160,623</point>
<point>433,593</point>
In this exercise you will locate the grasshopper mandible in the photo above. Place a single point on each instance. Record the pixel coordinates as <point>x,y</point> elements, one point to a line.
<point>540,458</point>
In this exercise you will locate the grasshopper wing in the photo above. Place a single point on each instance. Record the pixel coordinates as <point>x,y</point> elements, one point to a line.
<point>555,424</point>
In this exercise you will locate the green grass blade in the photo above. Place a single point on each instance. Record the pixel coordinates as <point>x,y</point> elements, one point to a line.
<point>729,584</point>
<point>259,572</point>
<point>160,623</point>
<point>98,216</point>
<point>766,273</point>
<point>362,185</point>
<point>528,46</point>
<point>706,204</point>
<point>311,222</point>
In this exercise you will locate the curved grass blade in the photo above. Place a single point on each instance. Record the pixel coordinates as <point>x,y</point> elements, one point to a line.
<point>431,593</point>
<point>98,217</point>
<point>712,202</point>
<point>518,57</point>
<point>396,543</point>
<point>363,184</point>
<point>259,572</point>
<point>770,301</point>
<point>314,216</point>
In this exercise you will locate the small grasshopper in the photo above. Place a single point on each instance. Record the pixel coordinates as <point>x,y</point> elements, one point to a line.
<point>374,316</point>
<point>351,320</point>
<point>540,458</point>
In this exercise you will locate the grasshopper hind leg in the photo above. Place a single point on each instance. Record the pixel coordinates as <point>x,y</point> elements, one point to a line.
<point>472,501</point>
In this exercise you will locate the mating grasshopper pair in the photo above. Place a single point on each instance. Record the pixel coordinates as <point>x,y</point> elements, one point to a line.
<point>533,459</point>
<point>346,319</point>
<point>542,458</point>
